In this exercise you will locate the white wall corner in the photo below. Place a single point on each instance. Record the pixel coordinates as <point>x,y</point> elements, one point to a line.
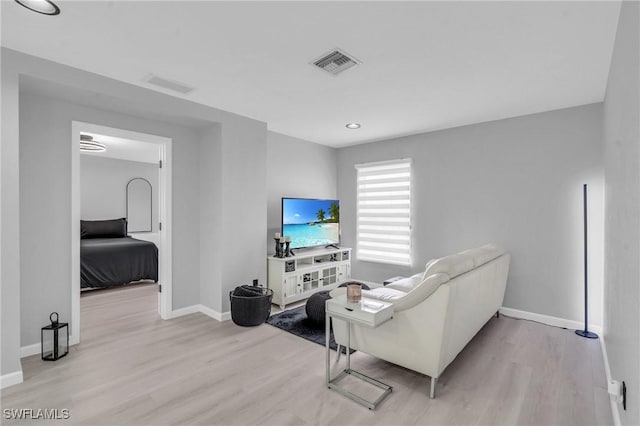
<point>11,379</point>
<point>549,320</point>
<point>224,316</point>
<point>184,311</point>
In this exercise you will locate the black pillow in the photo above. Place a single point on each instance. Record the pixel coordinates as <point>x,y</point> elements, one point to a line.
<point>115,228</point>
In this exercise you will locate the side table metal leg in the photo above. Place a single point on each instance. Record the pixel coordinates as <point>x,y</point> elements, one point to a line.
<point>348,348</point>
<point>339,350</point>
<point>326,344</point>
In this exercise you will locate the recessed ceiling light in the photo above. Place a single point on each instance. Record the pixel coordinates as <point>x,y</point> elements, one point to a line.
<point>87,144</point>
<point>353,126</point>
<point>45,7</point>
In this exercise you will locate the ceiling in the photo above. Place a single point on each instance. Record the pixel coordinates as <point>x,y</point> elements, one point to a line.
<point>425,65</point>
<point>124,149</point>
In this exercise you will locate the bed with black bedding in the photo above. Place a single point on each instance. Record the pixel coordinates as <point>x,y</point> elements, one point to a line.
<point>108,257</point>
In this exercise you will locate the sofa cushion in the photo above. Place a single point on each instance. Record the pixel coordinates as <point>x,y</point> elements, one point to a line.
<point>422,291</point>
<point>406,284</point>
<point>383,293</point>
<point>452,265</point>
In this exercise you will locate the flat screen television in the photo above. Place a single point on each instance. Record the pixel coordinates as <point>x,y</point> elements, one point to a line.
<point>311,222</point>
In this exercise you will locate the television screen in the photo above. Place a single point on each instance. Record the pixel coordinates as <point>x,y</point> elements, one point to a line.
<point>311,222</point>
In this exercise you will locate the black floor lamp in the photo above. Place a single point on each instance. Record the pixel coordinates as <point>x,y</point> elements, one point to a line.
<point>586,333</point>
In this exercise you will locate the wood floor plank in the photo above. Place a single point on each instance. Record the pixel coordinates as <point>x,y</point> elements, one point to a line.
<point>132,368</point>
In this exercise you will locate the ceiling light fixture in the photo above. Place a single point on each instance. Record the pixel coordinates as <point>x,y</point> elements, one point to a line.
<point>353,126</point>
<point>45,7</point>
<point>87,144</point>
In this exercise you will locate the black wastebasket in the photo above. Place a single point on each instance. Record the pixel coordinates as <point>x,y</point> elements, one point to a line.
<point>250,306</point>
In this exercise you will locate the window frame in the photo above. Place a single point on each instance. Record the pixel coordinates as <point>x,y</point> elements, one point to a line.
<point>404,244</point>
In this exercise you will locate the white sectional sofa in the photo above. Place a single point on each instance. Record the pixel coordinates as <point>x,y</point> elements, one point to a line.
<point>436,312</point>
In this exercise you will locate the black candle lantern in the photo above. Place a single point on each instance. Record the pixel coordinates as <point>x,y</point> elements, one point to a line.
<point>55,339</point>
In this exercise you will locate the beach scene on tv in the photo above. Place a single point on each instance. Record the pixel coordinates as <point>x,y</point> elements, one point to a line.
<point>311,222</point>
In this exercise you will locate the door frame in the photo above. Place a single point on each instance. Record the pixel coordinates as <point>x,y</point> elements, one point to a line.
<point>165,299</point>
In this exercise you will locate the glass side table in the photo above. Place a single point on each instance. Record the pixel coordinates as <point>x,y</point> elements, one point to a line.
<point>369,313</point>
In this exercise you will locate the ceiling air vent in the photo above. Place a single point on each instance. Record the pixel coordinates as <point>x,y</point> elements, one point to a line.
<point>335,62</point>
<point>168,84</point>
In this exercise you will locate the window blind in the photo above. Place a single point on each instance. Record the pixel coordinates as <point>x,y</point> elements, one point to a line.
<point>384,212</point>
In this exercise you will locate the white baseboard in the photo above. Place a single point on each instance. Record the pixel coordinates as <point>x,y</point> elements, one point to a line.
<point>184,311</point>
<point>549,320</point>
<point>26,351</point>
<point>224,316</point>
<point>615,409</point>
<point>10,379</point>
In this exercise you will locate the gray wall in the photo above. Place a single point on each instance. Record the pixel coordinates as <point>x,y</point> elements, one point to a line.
<point>103,187</point>
<point>243,202</point>
<point>622,206</point>
<point>296,168</point>
<point>211,252</point>
<point>516,182</point>
<point>72,94</point>
<point>45,205</point>
<point>9,221</point>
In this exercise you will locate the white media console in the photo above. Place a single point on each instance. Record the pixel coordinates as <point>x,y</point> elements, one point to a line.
<point>298,277</point>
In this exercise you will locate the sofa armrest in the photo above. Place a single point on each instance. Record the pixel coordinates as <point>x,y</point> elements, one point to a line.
<point>401,301</point>
<point>420,292</point>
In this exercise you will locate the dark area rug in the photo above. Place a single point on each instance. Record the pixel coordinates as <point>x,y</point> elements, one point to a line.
<point>295,321</point>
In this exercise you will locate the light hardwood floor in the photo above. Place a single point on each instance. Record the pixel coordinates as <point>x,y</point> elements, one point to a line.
<point>134,368</point>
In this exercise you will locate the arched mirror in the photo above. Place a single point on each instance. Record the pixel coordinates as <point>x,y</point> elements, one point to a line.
<point>139,215</point>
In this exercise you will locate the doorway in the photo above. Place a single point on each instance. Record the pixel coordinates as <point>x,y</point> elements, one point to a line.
<point>163,219</point>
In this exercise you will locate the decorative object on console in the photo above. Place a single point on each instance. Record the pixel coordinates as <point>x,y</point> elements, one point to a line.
<point>54,339</point>
<point>586,333</point>
<point>278,253</point>
<point>287,251</point>
<point>354,292</point>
